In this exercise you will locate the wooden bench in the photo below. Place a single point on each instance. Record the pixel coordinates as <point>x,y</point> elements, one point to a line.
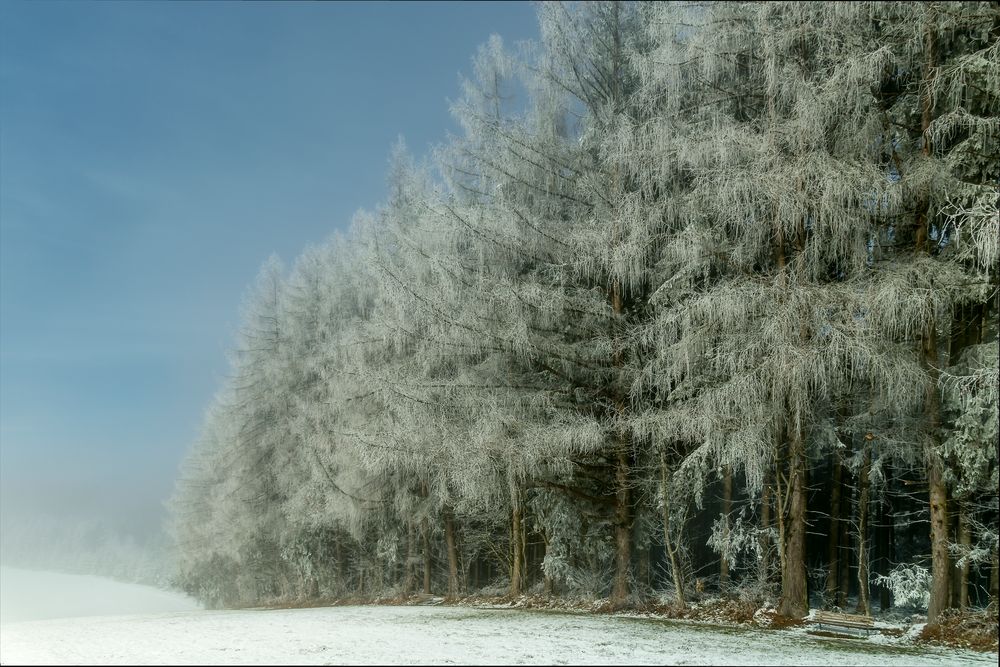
<point>854,621</point>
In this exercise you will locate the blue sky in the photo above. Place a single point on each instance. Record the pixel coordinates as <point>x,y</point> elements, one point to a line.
<point>152,155</point>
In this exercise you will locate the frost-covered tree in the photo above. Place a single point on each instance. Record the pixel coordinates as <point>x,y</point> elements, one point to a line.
<point>676,249</point>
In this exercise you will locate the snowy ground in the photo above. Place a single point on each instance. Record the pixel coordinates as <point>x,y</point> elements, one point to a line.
<point>29,595</point>
<point>431,635</point>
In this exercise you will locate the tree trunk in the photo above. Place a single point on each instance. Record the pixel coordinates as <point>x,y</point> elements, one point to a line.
<point>675,570</point>
<point>409,571</point>
<point>449,537</point>
<point>623,523</point>
<point>781,498</point>
<point>727,508</point>
<point>623,532</point>
<point>864,606</point>
<point>833,543</point>
<point>995,578</point>
<point>966,331</point>
<point>965,539</point>
<point>794,591</point>
<point>940,560</point>
<point>937,491</point>
<point>525,552</point>
<point>516,548</point>
<point>846,551</point>
<point>425,531</point>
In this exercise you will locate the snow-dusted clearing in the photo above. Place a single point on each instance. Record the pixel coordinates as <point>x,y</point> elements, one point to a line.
<point>29,595</point>
<point>429,635</point>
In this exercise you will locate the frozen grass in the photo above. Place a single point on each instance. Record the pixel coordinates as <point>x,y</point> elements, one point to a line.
<point>420,635</point>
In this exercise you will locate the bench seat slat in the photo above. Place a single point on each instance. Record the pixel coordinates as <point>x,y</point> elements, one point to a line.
<point>844,620</point>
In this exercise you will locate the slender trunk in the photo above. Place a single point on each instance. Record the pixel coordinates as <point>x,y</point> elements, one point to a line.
<point>517,551</point>
<point>675,570</point>
<point>727,508</point>
<point>864,606</point>
<point>525,552</point>
<point>623,522</point>
<point>794,591</point>
<point>846,551</point>
<point>833,543</point>
<point>449,538</point>
<point>937,491</point>
<point>781,498</point>
<point>425,531</point>
<point>409,572</point>
<point>966,331</point>
<point>623,537</point>
<point>995,578</point>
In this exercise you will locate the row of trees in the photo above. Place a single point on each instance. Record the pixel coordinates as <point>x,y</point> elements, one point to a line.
<point>40,541</point>
<point>701,292</point>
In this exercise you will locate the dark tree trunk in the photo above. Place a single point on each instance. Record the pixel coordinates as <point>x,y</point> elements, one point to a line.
<point>833,539</point>
<point>669,546</point>
<point>794,591</point>
<point>516,546</point>
<point>449,537</point>
<point>623,529</point>
<point>409,571</point>
<point>937,491</point>
<point>846,551</point>
<point>995,578</point>
<point>864,606</point>
<point>425,531</point>
<point>940,559</point>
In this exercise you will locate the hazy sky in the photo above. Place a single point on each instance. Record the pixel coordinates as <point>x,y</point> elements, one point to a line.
<point>151,157</point>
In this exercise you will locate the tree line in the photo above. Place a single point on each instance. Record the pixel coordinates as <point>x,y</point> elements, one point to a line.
<point>703,294</point>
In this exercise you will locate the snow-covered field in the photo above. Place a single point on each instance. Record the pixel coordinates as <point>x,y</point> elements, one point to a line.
<point>428,635</point>
<point>29,595</point>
